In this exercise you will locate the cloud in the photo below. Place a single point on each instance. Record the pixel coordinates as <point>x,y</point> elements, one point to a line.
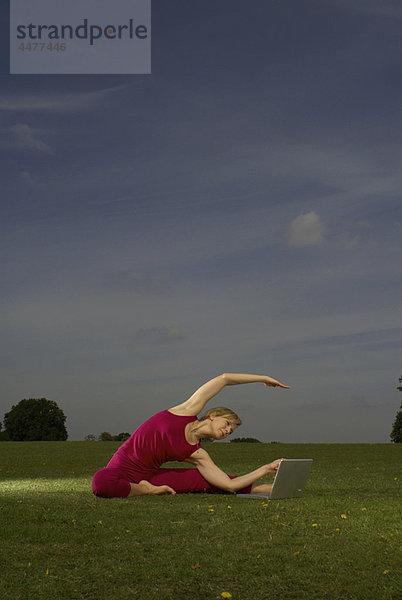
<point>26,136</point>
<point>26,176</point>
<point>57,102</point>
<point>159,335</point>
<point>306,230</point>
<point>137,281</point>
<point>386,8</point>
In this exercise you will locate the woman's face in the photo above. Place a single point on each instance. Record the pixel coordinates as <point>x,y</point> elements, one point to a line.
<point>221,427</point>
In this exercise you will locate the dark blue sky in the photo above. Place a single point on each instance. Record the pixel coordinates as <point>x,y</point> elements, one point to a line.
<point>237,210</point>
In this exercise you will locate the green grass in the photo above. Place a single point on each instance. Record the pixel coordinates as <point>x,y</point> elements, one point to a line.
<point>58,541</point>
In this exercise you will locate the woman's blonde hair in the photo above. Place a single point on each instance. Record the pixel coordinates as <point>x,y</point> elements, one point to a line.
<point>221,411</point>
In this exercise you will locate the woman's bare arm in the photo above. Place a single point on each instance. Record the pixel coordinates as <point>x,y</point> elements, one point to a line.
<point>196,403</point>
<point>215,476</point>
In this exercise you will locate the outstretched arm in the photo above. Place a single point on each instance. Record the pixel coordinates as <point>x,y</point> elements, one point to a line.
<point>196,403</point>
<point>215,476</point>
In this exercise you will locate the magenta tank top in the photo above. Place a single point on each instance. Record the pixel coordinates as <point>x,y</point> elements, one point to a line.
<point>160,439</point>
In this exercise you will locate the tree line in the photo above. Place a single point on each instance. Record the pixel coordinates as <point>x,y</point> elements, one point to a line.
<point>40,419</point>
<point>105,436</point>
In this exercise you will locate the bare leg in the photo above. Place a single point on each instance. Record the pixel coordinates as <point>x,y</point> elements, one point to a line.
<point>261,488</point>
<point>144,488</point>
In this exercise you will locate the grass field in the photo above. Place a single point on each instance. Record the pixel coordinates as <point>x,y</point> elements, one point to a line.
<point>339,541</point>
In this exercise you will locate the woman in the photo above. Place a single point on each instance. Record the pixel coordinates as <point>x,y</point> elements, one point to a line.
<point>175,434</point>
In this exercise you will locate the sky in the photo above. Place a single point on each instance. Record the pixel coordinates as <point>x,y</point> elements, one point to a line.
<point>237,210</point>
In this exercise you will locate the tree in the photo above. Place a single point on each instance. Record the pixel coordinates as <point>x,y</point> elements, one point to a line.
<point>4,437</point>
<point>36,419</point>
<point>121,437</point>
<point>90,437</point>
<point>396,433</point>
<point>105,436</point>
<point>246,439</point>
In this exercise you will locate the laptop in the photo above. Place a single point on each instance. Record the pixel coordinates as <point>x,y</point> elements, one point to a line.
<point>289,481</point>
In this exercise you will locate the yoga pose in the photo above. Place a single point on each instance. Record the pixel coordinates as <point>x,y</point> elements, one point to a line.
<point>174,435</point>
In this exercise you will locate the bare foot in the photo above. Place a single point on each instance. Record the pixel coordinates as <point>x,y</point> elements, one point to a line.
<point>155,490</point>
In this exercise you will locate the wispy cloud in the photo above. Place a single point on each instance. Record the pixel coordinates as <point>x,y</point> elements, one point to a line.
<point>306,230</point>
<point>54,101</point>
<point>386,8</point>
<point>26,176</point>
<point>137,281</point>
<point>159,335</point>
<point>27,137</point>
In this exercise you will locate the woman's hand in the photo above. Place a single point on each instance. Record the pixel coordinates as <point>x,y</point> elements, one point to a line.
<point>269,382</point>
<point>273,466</point>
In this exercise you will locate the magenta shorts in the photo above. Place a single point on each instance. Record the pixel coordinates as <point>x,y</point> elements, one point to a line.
<point>113,483</point>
